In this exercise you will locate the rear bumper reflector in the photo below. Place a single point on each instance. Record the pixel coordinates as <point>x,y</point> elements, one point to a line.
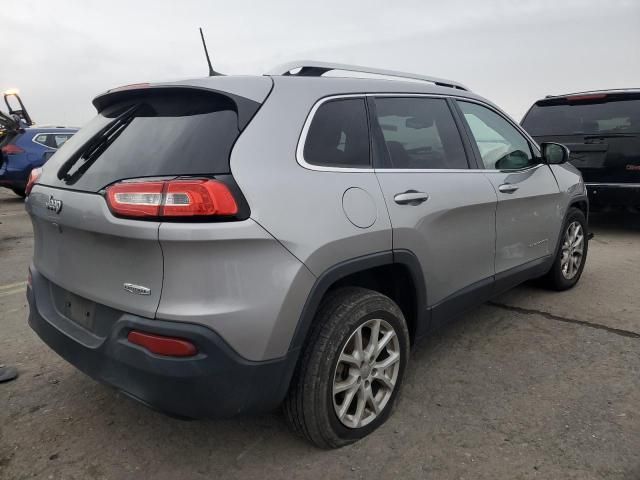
<point>160,345</point>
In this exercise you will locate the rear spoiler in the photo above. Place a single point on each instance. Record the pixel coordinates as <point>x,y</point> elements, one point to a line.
<point>589,97</point>
<point>245,107</point>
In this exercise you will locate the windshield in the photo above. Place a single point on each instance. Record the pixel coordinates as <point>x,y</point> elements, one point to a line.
<point>611,117</point>
<point>158,134</point>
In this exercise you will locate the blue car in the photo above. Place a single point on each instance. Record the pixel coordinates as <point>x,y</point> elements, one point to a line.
<point>24,148</point>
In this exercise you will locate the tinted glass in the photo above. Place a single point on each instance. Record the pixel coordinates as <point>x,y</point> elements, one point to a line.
<point>188,133</point>
<point>420,133</point>
<point>584,118</point>
<point>501,145</point>
<point>338,135</point>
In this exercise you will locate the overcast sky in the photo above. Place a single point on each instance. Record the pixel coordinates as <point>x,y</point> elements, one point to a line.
<point>61,54</point>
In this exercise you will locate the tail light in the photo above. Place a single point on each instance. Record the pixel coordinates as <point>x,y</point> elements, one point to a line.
<point>161,345</point>
<point>33,178</point>
<point>11,149</point>
<point>135,199</point>
<point>171,198</point>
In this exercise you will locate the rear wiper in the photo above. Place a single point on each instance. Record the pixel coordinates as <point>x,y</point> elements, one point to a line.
<point>96,145</point>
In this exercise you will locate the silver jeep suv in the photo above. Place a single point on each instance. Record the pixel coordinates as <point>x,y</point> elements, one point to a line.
<point>225,245</point>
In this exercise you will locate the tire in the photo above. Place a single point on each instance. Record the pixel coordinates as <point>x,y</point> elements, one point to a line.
<point>311,408</point>
<point>20,192</point>
<point>562,276</point>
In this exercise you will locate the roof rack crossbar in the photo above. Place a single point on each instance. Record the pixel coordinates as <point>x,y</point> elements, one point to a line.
<point>309,68</point>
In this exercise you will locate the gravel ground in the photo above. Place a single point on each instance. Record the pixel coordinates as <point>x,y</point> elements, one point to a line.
<point>533,385</point>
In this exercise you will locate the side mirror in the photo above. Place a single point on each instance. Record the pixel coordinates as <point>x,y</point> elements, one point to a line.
<point>554,153</point>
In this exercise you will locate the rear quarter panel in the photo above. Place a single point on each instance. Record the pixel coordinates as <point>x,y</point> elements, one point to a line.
<point>235,278</point>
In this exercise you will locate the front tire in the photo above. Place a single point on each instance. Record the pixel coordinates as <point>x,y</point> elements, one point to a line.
<point>572,253</point>
<point>351,369</point>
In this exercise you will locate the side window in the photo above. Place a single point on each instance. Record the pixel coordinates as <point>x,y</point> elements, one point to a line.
<point>60,139</point>
<point>47,140</point>
<point>41,139</point>
<point>420,133</point>
<point>339,135</point>
<point>501,145</point>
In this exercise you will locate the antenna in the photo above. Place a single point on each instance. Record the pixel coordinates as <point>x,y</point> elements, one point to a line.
<point>212,72</point>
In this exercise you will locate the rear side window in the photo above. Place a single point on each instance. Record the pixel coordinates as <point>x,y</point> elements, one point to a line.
<point>42,139</point>
<point>52,140</point>
<point>420,133</point>
<point>564,117</point>
<point>501,145</point>
<point>338,135</point>
<point>60,139</point>
<point>162,134</point>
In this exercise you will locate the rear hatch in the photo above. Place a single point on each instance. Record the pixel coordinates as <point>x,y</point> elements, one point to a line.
<point>165,133</point>
<point>9,128</point>
<point>602,130</point>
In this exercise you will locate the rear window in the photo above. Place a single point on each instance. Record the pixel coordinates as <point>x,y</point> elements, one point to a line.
<point>600,117</point>
<point>165,133</point>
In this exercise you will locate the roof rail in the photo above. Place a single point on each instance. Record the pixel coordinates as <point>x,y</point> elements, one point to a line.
<point>310,68</point>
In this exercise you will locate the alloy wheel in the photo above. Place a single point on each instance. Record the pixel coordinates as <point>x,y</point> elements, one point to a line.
<point>572,250</point>
<point>366,373</point>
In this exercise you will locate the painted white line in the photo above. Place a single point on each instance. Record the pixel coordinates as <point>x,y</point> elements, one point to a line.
<point>6,293</point>
<point>11,214</point>
<point>10,286</point>
<point>13,310</point>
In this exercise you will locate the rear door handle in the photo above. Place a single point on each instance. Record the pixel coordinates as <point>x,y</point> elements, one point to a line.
<point>411,197</point>
<point>508,188</point>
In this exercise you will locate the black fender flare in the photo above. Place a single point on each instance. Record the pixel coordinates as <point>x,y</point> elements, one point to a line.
<point>331,275</point>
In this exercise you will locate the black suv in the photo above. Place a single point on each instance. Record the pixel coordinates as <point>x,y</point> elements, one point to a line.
<point>602,130</point>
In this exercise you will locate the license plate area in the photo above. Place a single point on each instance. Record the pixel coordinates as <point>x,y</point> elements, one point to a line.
<point>92,317</point>
<point>78,310</point>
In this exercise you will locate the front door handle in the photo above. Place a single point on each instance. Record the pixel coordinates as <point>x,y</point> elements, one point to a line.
<point>411,197</point>
<point>508,188</point>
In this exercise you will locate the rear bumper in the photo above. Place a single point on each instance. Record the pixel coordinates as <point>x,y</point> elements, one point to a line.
<point>8,179</point>
<point>615,194</point>
<point>13,178</point>
<point>216,382</point>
